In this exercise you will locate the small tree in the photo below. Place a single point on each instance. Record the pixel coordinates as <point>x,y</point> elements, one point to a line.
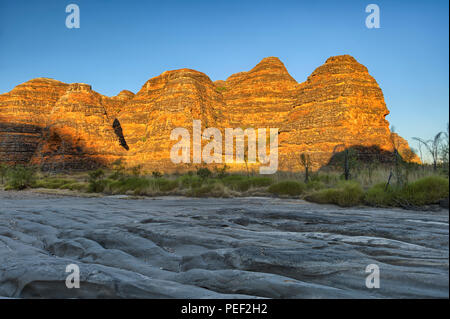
<point>397,158</point>
<point>346,165</point>
<point>136,170</point>
<point>96,181</point>
<point>407,157</point>
<point>349,159</point>
<point>419,147</point>
<point>445,149</point>
<point>371,166</point>
<point>96,175</point>
<point>156,174</point>
<point>433,147</point>
<point>118,168</point>
<point>3,172</point>
<point>221,172</point>
<point>305,161</point>
<point>21,177</point>
<point>246,157</point>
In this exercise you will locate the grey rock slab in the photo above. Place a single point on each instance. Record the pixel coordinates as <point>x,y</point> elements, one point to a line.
<point>176,247</point>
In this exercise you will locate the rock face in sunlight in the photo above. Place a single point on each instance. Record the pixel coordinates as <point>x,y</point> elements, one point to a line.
<point>339,106</point>
<point>80,131</point>
<point>59,126</point>
<point>24,112</point>
<point>70,126</point>
<point>261,97</point>
<point>170,100</point>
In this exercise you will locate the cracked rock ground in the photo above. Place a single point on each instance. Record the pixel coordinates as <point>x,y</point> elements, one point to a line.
<point>217,248</point>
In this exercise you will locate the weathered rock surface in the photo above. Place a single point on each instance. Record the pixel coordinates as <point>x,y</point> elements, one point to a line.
<point>171,100</point>
<point>261,97</point>
<point>58,125</point>
<point>23,114</point>
<point>79,132</point>
<point>216,248</point>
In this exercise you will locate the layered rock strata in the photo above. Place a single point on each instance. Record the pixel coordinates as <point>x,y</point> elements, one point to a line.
<point>69,126</point>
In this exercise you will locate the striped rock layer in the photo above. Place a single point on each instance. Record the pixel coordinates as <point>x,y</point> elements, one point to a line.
<point>69,126</point>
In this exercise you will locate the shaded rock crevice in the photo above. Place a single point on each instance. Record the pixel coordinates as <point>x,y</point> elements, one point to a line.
<point>119,133</point>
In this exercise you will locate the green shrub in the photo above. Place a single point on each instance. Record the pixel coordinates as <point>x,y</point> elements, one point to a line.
<point>325,196</point>
<point>379,196</point>
<point>324,178</point>
<point>3,172</point>
<point>96,182</point>
<point>190,181</point>
<point>237,182</point>
<point>243,183</point>
<point>204,173</point>
<point>233,178</point>
<point>135,184</point>
<point>116,175</point>
<point>97,186</point>
<point>221,88</point>
<point>139,185</point>
<point>211,190</point>
<point>346,194</point>
<point>202,191</point>
<point>351,194</point>
<point>425,191</point>
<point>315,185</point>
<point>241,186</point>
<point>165,185</point>
<point>290,188</point>
<point>97,174</point>
<point>20,177</point>
<point>74,186</point>
<point>260,181</point>
<point>51,182</point>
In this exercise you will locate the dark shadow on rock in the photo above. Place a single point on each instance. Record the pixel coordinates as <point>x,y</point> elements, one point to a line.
<point>361,154</point>
<point>28,144</point>
<point>119,133</point>
<point>59,153</point>
<point>18,142</point>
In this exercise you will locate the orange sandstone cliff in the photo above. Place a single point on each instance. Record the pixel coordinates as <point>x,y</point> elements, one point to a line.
<point>69,126</point>
<point>339,106</point>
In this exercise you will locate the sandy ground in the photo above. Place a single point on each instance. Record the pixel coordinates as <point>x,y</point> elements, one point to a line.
<point>176,247</point>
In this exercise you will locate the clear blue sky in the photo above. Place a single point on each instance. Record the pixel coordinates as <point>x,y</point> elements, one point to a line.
<point>121,44</point>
